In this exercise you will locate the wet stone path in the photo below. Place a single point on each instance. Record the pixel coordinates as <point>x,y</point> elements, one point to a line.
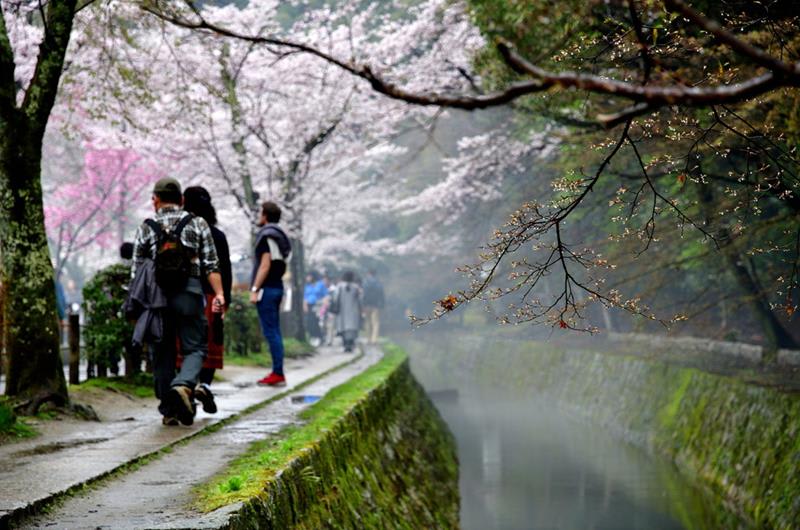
<point>157,494</point>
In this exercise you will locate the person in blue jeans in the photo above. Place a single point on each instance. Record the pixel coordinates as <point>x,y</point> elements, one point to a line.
<point>272,251</point>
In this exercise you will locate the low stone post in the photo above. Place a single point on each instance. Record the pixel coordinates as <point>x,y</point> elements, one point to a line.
<point>74,348</point>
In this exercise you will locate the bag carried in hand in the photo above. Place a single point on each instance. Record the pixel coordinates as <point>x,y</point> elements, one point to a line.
<point>335,305</point>
<point>173,259</point>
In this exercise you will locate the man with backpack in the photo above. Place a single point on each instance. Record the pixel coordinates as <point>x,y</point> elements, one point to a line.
<point>172,252</point>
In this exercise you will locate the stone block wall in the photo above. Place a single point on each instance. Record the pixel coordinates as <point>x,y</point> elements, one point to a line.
<point>740,441</point>
<point>390,462</point>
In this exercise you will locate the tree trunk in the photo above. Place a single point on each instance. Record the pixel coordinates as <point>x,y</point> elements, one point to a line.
<point>296,323</point>
<point>35,368</point>
<point>2,326</point>
<point>775,336</point>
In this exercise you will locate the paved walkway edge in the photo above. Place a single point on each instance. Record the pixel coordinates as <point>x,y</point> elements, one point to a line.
<point>38,506</point>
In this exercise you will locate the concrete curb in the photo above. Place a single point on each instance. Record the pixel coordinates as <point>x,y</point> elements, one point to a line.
<point>12,518</point>
<point>748,353</point>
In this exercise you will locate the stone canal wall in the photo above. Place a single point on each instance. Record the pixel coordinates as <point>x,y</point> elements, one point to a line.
<point>387,461</point>
<point>740,441</point>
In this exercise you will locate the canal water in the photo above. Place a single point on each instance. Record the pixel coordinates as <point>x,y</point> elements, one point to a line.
<point>524,465</point>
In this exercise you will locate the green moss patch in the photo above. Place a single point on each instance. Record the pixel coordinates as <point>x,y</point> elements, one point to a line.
<point>140,385</point>
<point>372,452</point>
<point>12,427</point>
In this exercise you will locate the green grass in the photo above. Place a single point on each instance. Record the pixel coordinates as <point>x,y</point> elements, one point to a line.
<point>254,359</point>
<point>292,349</point>
<point>247,476</point>
<point>11,427</point>
<point>140,385</point>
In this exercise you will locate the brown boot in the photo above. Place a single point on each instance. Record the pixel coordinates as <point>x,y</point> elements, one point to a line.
<point>182,404</point>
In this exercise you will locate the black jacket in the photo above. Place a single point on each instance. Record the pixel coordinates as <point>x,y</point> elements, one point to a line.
<point>224,255</point>
<point>146,303</point>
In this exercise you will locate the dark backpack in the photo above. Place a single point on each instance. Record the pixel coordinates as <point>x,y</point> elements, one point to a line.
<point>173,259</point>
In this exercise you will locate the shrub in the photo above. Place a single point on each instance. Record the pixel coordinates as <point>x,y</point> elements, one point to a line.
<point>242,328</point>
<point>106,330</point>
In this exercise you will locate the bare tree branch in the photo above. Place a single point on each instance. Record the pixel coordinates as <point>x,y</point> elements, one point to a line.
<point>41,93</point>
<point>648,97</point>
<point>760,57</point>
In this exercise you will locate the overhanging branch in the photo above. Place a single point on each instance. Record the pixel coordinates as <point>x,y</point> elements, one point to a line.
<point>648,98</point>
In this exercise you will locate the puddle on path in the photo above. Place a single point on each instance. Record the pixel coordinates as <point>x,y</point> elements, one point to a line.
<point>305,399</point>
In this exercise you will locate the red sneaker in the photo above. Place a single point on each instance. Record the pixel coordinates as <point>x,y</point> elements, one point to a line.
<point>273,379</point>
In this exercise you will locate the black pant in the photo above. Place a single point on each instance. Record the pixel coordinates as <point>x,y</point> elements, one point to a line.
<point>312,324</point>
<point>184,319</point>
<point>207,375</point>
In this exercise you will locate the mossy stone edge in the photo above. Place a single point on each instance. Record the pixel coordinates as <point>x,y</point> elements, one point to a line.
<point>390,462</point>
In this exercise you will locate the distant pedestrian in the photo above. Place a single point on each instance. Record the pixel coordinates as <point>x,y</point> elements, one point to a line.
<point>126,253</point>
<point>272,252</point>
<point>326,315</point>
<point>314,293</point>
<point>173,253</point>
<point>197,201</point>
<point>133,352</point>
<point>61,310</point>
<point>347,302</point>
<point>373,303</point>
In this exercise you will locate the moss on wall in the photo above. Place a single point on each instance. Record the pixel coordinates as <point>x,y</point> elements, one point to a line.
<point>374,453</point>
<point>741,441</point>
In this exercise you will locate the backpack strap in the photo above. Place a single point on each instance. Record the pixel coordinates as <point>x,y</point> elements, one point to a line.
<point>155,226</point>
<point>182,224</point>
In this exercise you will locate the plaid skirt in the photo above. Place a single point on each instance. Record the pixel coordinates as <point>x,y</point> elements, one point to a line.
<point>215,351</point>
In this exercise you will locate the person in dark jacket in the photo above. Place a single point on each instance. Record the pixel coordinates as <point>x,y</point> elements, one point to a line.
<point>184,317</point>
<point>197,201</point>
<point>273,251</point>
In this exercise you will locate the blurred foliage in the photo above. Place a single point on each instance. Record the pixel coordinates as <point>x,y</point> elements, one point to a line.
<point>106,329</point>
<point>139,385</point>
<point>721,166</point>
<point>242,329</point>
<point>244,341</point>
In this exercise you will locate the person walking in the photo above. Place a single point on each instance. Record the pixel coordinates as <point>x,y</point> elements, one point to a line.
<point>172,253</point>
<point>197,201</point>
<point>272,252</point>
<point>373,303</point>
<point>61,311</point>
<point>347,302</point>
<point>327,316</point>
<point>313,294</point>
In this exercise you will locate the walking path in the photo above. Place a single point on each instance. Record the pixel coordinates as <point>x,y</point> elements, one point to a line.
<point>35,472</point>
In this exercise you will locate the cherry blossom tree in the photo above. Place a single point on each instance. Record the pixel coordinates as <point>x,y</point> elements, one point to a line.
<point>267,124</point>
<point>95,210</point>
<point>631,74</point>
<point>303,131</point>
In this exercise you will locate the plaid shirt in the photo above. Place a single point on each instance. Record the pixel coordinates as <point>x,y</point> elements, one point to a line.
<point>196,236</point>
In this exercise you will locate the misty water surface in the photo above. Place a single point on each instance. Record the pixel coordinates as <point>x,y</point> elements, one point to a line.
<point>524,465</point>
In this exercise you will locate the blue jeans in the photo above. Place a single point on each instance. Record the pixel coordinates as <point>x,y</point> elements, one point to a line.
<point>269,309</point>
